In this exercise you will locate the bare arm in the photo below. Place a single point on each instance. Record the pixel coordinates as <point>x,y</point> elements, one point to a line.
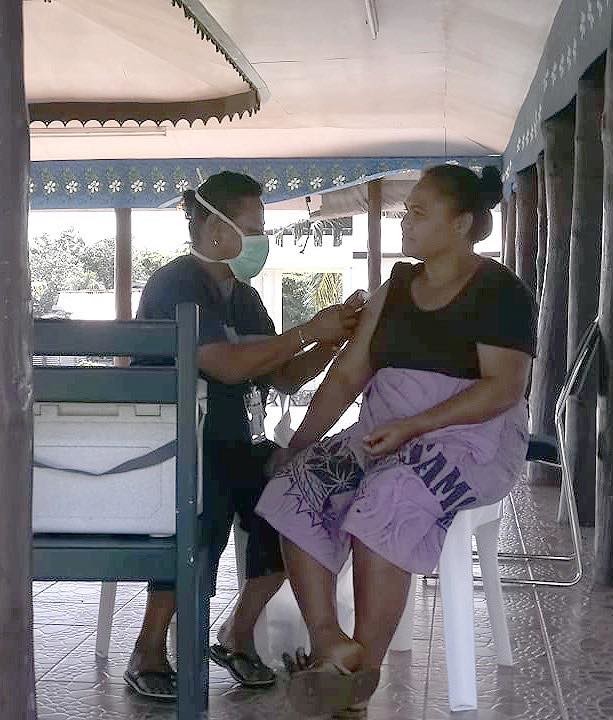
<point>232,364</point>
<point>504,378</point>
<point>302,368</point>
<point>308,365</point>
<point>345,380</point>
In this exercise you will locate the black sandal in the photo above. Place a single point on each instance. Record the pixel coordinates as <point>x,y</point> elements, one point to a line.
<point>250,672</point>
<point>154,685</point>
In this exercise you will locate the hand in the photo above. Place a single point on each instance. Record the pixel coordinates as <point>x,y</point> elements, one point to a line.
<point>278,459</point>
<point>357,300</point>
<point>389,437</point>
<point>333,324</point>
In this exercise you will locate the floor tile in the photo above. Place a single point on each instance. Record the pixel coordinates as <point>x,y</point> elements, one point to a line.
<point>563,636</point>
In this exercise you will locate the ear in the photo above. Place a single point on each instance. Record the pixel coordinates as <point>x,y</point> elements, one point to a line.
<point>215,230</point>
<point>462,224</point>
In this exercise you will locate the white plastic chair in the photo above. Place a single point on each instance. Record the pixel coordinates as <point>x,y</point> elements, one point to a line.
<point>106,608</point>
<point>456,575</point>
<point>108,592</point>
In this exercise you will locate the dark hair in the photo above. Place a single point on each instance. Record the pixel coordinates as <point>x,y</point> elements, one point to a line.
<point>470,193</point>
<point>224,191</point>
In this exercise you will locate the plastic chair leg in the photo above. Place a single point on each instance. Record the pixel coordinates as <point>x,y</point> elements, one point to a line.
<point>458,614</point>
<point>108,591</point>
<point>403,637</point>
<point>487,546</point>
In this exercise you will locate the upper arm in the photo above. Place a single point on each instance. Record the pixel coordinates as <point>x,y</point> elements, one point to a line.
<point>220,358</point>
<point>217,360</point>
<point>511,367</point>
<point>506,332</point>
<point>216,354</point>
<point>506,314</point>
<point>352,367</point>
<point>266,325</point>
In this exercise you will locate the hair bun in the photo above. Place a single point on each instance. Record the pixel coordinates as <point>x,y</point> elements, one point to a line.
<point>189,201</point>
<point>490,186</point>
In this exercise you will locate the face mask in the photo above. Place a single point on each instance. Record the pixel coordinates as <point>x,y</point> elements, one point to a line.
<point>254,251</point>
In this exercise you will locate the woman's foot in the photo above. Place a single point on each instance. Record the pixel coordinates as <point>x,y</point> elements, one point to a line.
<point>326,688</point>
<point>236,653</point>
<point>150,674</point>
<point>236,641</point>
<point>333,679</point>
<point>333,644</point>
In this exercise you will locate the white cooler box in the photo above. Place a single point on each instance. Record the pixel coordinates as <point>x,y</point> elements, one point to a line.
<point>96,438</point>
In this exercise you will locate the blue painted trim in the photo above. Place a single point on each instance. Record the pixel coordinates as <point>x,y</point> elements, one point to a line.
<point>579,35</point>
<point>99,184</point>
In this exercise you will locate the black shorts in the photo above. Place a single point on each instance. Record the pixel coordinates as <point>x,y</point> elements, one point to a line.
<point>234,481</point>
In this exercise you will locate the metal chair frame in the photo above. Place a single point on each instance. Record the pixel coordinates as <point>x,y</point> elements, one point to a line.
<point>573,382</point>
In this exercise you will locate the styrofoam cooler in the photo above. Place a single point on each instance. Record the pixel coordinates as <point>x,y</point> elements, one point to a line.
<point>97,437</point>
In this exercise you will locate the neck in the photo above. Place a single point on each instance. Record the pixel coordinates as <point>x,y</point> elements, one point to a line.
<point>217,270</point>
<point>443,269</point>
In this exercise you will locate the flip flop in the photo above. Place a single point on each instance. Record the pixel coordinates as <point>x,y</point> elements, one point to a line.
<point>327,688</point>
<point>355,712</point>
<point>154,685</point>
<point>248,671</point>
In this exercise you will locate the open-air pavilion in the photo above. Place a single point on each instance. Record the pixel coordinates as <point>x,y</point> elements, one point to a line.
<point>132,102</point>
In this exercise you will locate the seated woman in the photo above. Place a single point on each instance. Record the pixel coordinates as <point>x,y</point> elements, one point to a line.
<point>442,355</point>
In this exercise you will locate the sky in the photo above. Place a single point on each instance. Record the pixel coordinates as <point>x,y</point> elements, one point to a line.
<point>160,230</point>
<point>165,231</point>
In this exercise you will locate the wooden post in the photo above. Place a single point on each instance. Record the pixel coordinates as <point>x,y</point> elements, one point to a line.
<point>123,269</point>
<point>123,264</point>
<point>374,235</point>
<point>17,696</point>
<point>550,365</point>
<point>526,236</point>
<point>542,225</point>
<point>603,561</point>
<point>583,282</point>
<point>509,241</point>
<point>503,232</point>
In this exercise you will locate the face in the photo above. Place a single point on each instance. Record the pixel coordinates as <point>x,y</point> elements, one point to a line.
<point>430,228</point>
<point>220,241</point>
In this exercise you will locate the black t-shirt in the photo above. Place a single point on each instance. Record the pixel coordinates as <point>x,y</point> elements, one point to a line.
<point>494,308</point>
<point>235,316</point>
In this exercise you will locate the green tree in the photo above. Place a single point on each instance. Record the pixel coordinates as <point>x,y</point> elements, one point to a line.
<point>305,294</point>
<point>55,265</point>
<point>98,261</point>
<point>145,263</point>
<point>65,262</point>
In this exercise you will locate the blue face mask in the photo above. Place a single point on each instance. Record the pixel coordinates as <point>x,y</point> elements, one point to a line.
<point>254,248</point>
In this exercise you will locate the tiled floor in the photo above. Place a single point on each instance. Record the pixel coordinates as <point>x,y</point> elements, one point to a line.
<point>562,642</point>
